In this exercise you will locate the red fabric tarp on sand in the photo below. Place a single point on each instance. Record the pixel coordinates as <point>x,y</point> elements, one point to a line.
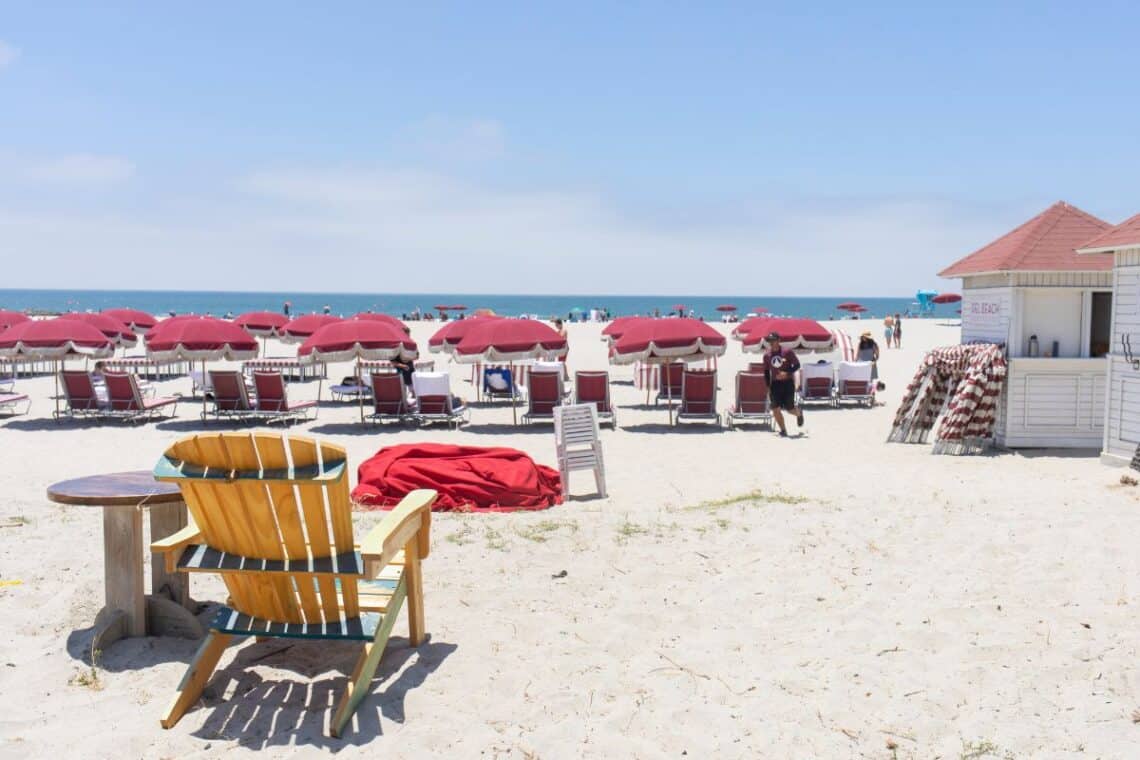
<point>468,478</point>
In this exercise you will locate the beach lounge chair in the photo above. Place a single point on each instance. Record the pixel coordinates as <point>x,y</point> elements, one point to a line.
<point>231,397</point>
<point>817,383</point>
<point>671,381</point>
<point>82,397</point>
<point>594,388</point>
<point>10,402</point>
<point>698,397</point>
<point>126,401</point>
<point>389,397</point>
<point>544,393</point>
<point>499,383</point>
<point>273,403</point>
<point>855,384</point>
<point>752,402</point>
<point>434,402</point>
<point>350,388</point>
<point>262,507</point>
<point>576,444</point>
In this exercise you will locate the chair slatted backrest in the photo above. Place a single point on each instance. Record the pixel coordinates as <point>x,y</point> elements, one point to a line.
<point>122,392</point>
<point>672,377</point>
<point>855,378</point>
<point>575,429</point>
<point>389,394</point>
<point>698,391</point>
<point>80,390</point>
<point>592,388</point>
<point>271,497</point>
<point>545,392</point>
<point>270,387</point>
<point>751,393</point>
<point>230,394</point>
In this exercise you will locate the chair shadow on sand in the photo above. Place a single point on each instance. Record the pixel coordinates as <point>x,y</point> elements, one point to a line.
<point>280,711</point>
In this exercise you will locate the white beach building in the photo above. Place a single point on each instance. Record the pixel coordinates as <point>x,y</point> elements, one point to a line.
<point>1122,406</point>
<point>1051,308</point>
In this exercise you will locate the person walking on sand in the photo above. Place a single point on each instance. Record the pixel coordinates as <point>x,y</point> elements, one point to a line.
<point>898,330</point>
<point>780,365</point>
<point>888,330</point>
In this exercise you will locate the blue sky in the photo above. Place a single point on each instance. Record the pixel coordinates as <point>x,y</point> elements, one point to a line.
<point>640,148</point>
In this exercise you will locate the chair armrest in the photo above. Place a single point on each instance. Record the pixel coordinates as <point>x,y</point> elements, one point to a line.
<point>172,545</point>
<point>410,519</point>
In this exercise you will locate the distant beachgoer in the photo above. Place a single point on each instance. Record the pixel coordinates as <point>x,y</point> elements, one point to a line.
<point>780,365</point>
<point>868,351</point>
<point>286,308</point>
<point>898,331</point>
<point>888,330</point>
<point>327,309</point>
<point>559,327</point>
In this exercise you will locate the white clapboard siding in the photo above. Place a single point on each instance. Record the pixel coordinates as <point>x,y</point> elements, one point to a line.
<point>1054,403</point>
<point>986,315</point>
<point>1122,424</point>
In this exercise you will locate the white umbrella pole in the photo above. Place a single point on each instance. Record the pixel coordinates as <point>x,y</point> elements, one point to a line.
<point>360,389</point>
<point>57,370</point>
<point>204,390</point>
<point>514,394</point>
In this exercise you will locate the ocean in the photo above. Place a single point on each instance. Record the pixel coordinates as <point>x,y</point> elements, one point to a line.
<point>166,302</point>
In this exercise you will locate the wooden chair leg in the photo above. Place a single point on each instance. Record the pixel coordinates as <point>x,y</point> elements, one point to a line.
<point>365,668</point>
<point>197,675</point>
<point>415,578</point>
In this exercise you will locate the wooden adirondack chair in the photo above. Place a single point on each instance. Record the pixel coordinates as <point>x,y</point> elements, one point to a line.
<point>272,515</point>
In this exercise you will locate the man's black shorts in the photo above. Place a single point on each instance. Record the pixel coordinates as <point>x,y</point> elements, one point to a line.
<point>783,394</point>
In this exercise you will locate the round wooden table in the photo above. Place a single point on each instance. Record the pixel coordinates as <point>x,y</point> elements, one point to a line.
<point>128,611</point>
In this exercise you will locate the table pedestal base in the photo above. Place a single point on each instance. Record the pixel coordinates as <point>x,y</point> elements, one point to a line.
<point>164,617</point>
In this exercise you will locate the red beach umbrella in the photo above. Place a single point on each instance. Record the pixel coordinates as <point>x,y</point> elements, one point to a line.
<point>296,330</point>
<point>946,298</point>
<point>200,338</point>
<point>678,307</point>
<point>137,320</point>
<point>663,340</point>
<point>264,324</point>
<point>165,323</point>
<point>802,334</point>
<point>448,336</point>
<point>760,310</point>
<point>509,340</point>
<point>9,318</point>
<point>54,339</point>
<point>117,331</point>
<point>726,307</point>
<point>372,316</point>
<point>358,339</point>
<point>850,306</point>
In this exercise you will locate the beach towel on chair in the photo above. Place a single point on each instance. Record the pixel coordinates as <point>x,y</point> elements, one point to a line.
<point>468,478</point>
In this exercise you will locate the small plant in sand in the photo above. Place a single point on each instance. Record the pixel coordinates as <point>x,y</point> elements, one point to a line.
<point>494,539</point>
<point>540,531</point>
<point>89,677</point>
<point>755,496</point>
<point>628,530</point>
<point>983,748</point>
<point>461,536</point>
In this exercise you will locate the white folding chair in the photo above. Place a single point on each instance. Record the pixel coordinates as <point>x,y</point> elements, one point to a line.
<point>576,444</point>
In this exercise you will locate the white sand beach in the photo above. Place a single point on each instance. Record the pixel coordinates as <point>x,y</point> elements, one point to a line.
<point>829,595</point>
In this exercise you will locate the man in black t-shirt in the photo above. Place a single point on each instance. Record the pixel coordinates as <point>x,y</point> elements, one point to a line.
<point>780,365</point>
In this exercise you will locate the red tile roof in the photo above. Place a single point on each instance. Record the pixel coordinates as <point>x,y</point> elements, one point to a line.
<point>1046,243</point>
<point>1124,235</point>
